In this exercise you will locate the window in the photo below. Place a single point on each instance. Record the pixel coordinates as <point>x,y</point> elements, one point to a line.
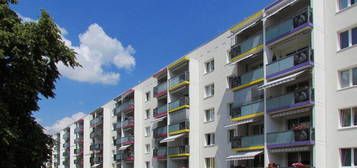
<point>230,108</point>
<point>210,162</point>
<point>348,38</point>
<point>302,157</point>
<point>147,96</point>
<point>147,164</point>
<point>231,134</point>
<point>209,66</point>
<point>346,3</point>
<point>147,131</point>
<point>147,148</point>
<point>348,78</point>
<point>349,157</point>
<point>209,90</point>
<point>209,115</point>
<point>147,114</point>
<point>348,117</point>
<point>210,139</point>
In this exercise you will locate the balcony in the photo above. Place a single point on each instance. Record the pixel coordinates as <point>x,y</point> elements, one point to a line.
<point>117,126</point>
<point>96,121</point>
<point>179,151</point>
<point>125,107</point>
<point>127,140</point>
<point>298,60</point>
<point>118,157</point>
<point>128,123</point>
<point>128,156</point>
<point>96,147</point>
<point>65,145</point>
<point>65,154</point>
<point>179,104</point>
<point>78,140</point>
<point>78,151</point>
<point>96,160</point>
<point>160,89</point>
<point>179,81</point>
<point>291,26</point>
<point>179,128</point>
<point>66,136</point>
<point>248,111</point>
<point>160,153</point>
<point>291,101</point>
<point>291,138</point>
<point>96,133</point>
<point>160,132</point>
<point>247,143</point>
<point>247,79</point>
<point>246,47</point>
<point>78,161</point>
<point>160,111</point>
<point>117,141</point>
<point>78,130</point>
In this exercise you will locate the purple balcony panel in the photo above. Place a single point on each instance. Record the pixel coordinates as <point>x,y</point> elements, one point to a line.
<point>290,32</point>
<point>299,143</point>
<point>300,66</point>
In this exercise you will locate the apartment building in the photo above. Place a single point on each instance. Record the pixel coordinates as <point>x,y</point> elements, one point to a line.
<point>276,90</point>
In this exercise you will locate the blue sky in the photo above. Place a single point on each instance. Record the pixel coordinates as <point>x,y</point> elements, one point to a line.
<point>133,38</point>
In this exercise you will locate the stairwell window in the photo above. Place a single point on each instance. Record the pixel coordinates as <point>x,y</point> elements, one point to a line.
<point>210,139</point>
<point>209,115</point>
<point>346,3</point>
<point>210,163</point>
<point>348,38</point>
<point>147,131</point>
<point>348,78</point>
<point>348,117</point>
<point>209,90</point>
<point>348,157</point>
<point>209,66</point>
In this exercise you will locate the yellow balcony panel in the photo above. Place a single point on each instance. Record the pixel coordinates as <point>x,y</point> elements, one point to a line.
<point>247,21</point>
<point>251,51</point>
<point>249,148</point>
<point>179,108</point>
<point>184,83</point>
<point>248,116</point>
<point>179,131</point>
<point>180,155</point>
<point>248,84</point>
<point>181,60</point>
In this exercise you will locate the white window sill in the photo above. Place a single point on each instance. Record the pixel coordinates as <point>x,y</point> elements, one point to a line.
<point>347,48</point>
<point>209,146</point>
<point>206,122</point>
<point>346,88</point>
<point>344,9</point>
<point>206,73</point>
<point>347,128</point>
<point>207,97</point>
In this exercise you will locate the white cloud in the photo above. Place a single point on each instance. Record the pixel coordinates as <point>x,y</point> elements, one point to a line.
<point>63,123</point>
<point>95,51</point>
<point>26,19</point>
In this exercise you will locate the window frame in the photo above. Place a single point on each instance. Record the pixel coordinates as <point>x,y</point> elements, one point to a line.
<point>209,89</point>
<point>350,39</point>
<point>147,96</point>
<point>147,131</point>
<point>211,112</point>
<point>351,78</point>
<point>353,161</point>
<point>209,66</point>
<point>352,114</point>
<point>210,162</point>
<point>147,114</point>
<point>349,4</point>
<point>147,148</point>
<point>210,137</point>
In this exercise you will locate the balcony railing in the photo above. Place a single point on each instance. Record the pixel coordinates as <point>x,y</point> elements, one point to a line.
<point>248,109</point>
<point>295,137</point>
<point>127,140</point>
<point>177,150</point>
<point>126,105</point>
<point>294,61</point>
<point>176,128</point>
<point>78,151</point>
<point>96,147</point>
<point>288,26</point>
<point>179,103</point>
<point>128,156</point>
<point>117,126</point>
<point>247,141</point>
<point>246,46</point>
<point>65,154</point>
<point>66,136</point>
<point>96,133</point>
<point>118,157</point>
<point>117,141</point>
<point>96,121</point>
<point>295,99</point>
<point>247,78</point>
<point>65,145</point>
<point>78,130</point>
<point>178,79</point>
<point>159,89</point>
<point>128,123</point>
<point>160,110</point>
<point>78,140</point>
<point>160,131</point>
<point>161,151</point>
<point>78,161</point>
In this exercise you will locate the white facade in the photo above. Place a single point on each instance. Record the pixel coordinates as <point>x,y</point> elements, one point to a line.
<point>268,92</point>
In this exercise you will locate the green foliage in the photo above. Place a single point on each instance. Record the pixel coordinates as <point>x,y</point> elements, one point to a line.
<point>29,53</point>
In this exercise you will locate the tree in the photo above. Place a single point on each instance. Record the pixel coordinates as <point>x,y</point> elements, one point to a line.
<point>29,53</point>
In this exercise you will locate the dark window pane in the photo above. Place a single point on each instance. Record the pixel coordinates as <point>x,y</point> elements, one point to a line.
<point>346,117</point>
<point>355,158</point>
<point>353,2</point>
<point>355,119</point>
<point>305,158</point>
<point>354,76</point>
<point>344,39</point>
<point>354,36</point>
<point>346,157</point>
<point>343,4</point>
<point>293,158</point>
